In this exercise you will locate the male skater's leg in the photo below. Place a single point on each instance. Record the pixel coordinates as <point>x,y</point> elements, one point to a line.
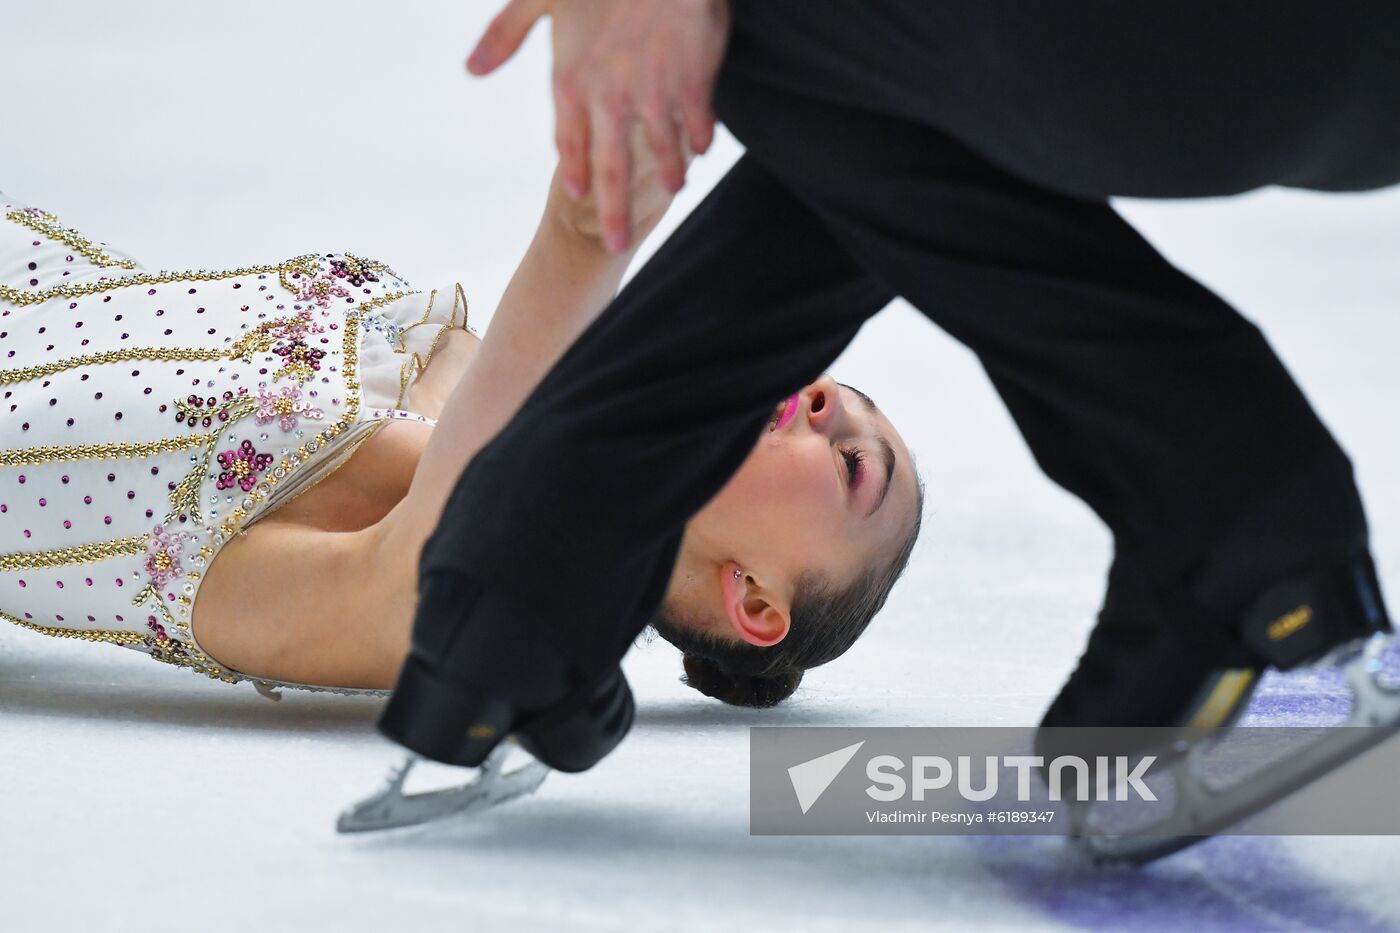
<point>1099,97</point>
<point>1134,458</point>
<point>1135,387</point>
<point>558,541</point>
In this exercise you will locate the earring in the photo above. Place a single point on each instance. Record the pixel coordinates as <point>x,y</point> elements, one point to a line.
<point>738,575</point>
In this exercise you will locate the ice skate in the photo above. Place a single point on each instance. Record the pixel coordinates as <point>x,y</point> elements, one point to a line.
<point>1140,669</point>
<point>391,808</point>
<point>1200,810</point>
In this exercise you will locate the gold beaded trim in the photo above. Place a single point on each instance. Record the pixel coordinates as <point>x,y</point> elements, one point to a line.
<point>47,453</point>
<point>149,592</point>
<point>47,224</point>
<point>374,304</point>
<point>362,310</point>
<point>188,654</point>
<point>254,341</point>
<point>166,354</point>
<point>162,649</point>
<point>344,460</point>
<point>230,524</point>
<point>185,496</point>
<point>301,265</point>
<point>113,637</point>
<point>406,372</point>
<point>79,554</point>
<point>183,655</point>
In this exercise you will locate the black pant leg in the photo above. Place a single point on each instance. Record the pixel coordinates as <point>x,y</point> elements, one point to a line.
<point>1135,387</point>
<point>577,507</point>
<point>1189,98</point>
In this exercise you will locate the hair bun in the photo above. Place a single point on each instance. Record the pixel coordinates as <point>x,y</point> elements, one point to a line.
<point>711,679</point>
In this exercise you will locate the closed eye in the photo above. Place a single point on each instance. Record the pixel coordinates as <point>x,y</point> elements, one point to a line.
<point>855,459</point>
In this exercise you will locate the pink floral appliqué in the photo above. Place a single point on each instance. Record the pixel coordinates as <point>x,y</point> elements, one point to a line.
<point>285,405</point>
<point>232,406</point>
<point>241,466</point>
<point>161,645</point>
<point>358,271</point>
<point>163,550</point>
<point>297,327</point>
<point>321,290</point>
<point>298,360</point>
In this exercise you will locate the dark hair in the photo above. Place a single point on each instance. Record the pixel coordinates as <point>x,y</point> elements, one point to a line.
<point>826,621</point>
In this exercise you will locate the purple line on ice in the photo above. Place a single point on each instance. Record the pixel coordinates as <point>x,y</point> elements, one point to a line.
<point>1227,883</point>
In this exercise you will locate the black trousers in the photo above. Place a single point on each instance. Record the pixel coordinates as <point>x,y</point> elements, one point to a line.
<point>959,155</point>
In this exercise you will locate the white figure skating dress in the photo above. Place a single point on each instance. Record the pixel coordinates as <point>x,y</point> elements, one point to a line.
<point>148,417</point>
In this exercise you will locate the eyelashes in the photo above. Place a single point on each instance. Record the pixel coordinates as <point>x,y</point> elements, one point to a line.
<point>855,460</point>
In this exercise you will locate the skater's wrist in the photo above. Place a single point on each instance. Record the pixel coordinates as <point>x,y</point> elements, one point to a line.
<point>577,218</point>
<point>575,248</point>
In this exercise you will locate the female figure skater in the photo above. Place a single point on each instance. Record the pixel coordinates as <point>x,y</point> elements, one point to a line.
<point>234,471</point>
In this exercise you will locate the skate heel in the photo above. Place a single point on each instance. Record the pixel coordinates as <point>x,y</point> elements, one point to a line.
<point>1202,809</point>
<point>1330,615</point>
<point>1307,615</point>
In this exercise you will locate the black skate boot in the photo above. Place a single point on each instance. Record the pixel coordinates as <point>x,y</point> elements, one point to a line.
<point>483,678</point>
<point>1145,666</point>
<point>1158,661</point>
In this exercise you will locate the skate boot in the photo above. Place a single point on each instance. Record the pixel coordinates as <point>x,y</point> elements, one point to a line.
<point>1172,662</point>
<point>483,678</point>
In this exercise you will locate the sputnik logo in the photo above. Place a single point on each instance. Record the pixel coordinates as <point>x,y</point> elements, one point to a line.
<point>810,779</point>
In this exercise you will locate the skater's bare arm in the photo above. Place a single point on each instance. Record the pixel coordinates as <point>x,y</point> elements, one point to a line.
<point>564,281</point>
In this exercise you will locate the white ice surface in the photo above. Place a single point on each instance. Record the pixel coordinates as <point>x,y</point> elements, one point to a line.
<point>134,796</point>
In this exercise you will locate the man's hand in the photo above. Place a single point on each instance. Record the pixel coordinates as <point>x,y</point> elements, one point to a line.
<point>618,63</point>
<point>647,198</point>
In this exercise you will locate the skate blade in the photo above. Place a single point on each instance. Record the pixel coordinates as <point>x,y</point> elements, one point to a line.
<point>1201,811</point>
<point>391,808</point>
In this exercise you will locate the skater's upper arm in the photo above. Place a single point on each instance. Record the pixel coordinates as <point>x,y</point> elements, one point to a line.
<point>295,603</point>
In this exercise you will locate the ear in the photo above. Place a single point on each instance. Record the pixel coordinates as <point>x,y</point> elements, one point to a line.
<point>758,616</point>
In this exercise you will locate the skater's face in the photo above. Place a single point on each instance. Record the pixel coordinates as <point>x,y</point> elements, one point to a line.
<point>829,488</point>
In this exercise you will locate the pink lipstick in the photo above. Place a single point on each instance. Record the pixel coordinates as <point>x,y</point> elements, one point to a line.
<point>787,413</point>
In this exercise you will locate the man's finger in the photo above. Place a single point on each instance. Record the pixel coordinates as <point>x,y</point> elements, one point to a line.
<point>572,136</point>
<point>659,120</point>
<point>612,173</point>
<point>504,35</point>
<point>663,136</point>
<point>698,115</point>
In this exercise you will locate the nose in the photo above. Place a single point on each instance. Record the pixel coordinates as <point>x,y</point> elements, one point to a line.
<point>826,413</point>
